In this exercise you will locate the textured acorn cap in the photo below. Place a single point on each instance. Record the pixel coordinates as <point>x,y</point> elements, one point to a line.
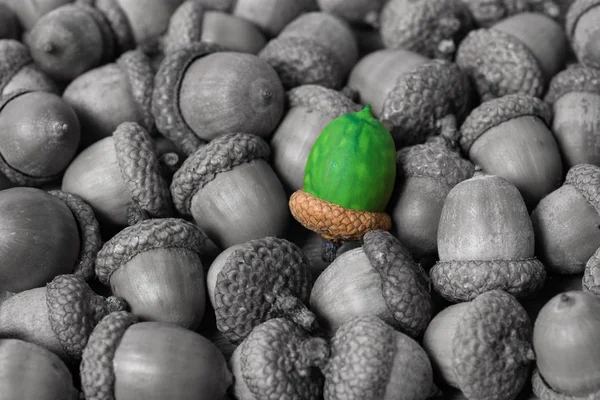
<point>252,276</point>
<point>591,275</point>
<point>496,111</point>
<point>480,9</point>
<point>185,26</point>
<point>13,56</point>
<point>148,235</point>
<point>165,98</point>
<point>586,179</point>
<point>119,24</point>
<point>576,11</point>
<point>543,391</point>
<point>140,76</point>
<point>321,99</point>
<point>405,284</point>
<point>576,78</point>
<point>220,155</point>
<point>499,64</point>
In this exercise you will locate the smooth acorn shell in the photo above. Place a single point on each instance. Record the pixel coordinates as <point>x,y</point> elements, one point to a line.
<point>271,15</point>
<point>586,38</point>
<point>233,33</point>
<point>524,152</point>
<point>30,78</point>
<point>29,11</point>
<point>9,24</point>
<point>39,239</point>
<point>229,92</point>
<point>148,19</point>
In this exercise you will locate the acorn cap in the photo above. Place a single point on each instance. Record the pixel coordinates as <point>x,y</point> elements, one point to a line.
<point>591,275</point>
<point>220,155</point>
<point>185,26</point>
<point>499,64</point>
<point>140,76</point>
<point>13,56</point>
<point>576,78</point>
<point>89,232</point>
<point>252,277</point>
<point>576,11</point>
<point>165,98</point>
<point>496,111</point>
<point>148,235</point>
<point>586,179</point>
<point>423,96</point>
<point>543,391</point>
<point>119,24</point>
<point>74,310</point>
<point>96,369</point>
<point>492,347</point>
<point>321,99</point>
<point>405,284</point>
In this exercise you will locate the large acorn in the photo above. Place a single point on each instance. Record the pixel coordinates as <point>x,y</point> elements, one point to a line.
<point>29,11</point>
<point>486,12</point>
<point>359,12</point>
<point>10,28</point>
<point>271,16</point>
<point>567,222</point>
<point>485,242</point>
<point>583,31</point>
<point>510,137</point>
<point>18,71</point>
<point>519,54</point>
<point>482,347</point>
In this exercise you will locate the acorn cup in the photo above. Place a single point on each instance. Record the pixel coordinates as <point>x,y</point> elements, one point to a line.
<point>566,222</point>
<point>29,11</point>
<point>359,12</point>
<point>584,32</point>
<point>316,48</point>
<point>10,28</point>
<point>271,16</point>
<point>487,13</point>
<point>432,28</point>
<point>155,266</point>
<point>46,234</point>
<point>107,96</point>
<point>519,54</point>
<point>485,242</point>
<point>59,317</point>
<point>151,360</point>
<point>28,371</point>
<point>18,71</point>
<point>591,275</point>
<point>190,108</point>
<point>410,93</point>
<point>121,178</point>
<point>510,137</point>
<point>564,339</point>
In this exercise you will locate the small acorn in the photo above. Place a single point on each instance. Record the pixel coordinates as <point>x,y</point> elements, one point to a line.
<point>316,48</point>
<point>28,371</point>
<point>564,339</point>
<point>510,137</point>
<point>567,221</point>
<point>482,347</point>
<point>360,12</point>
<point>584,32</point>
<point>10,28</point>
<point>151,360</point>
<point>487,13</point>
<point>485,242</point>
<point>59,317</point>
<point>519,54</point>
<point>272,16</point>
<point>18,71</point>
<point>29,11</point>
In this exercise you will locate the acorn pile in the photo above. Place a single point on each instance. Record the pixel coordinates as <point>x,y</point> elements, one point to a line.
<point>299,199</point>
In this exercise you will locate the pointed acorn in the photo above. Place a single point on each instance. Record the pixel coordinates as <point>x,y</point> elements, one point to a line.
<point>583,31</point>
<point>19,72</point>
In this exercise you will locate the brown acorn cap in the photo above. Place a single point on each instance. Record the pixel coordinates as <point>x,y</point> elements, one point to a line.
<point>499,64</point>
<point>96,369</point>
<point>13,56</point>
<point>586,179</point>
<point>74,310</point>
<point>140,76</point>
<point>405,284</point>
<point>148,235</point>
<point>321,99</point>
<point>575,78</point>
<point>591,275</point>
<point>220,155</point>
<point>254,278</point>
<point>165,98</point>
<point>89,232</point>
<point>185,26</point>
<point>576,11</point>
<point>119,24</point>
<point>424,95</point>
<point>492,347</point>
<point>496,111</point>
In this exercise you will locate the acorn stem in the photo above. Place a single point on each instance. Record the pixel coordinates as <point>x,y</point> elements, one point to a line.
<point>49,47</point>
<point>313,352</point>
<point>169,164</point>
<point>292,308</point>
<point>330,250</point>
<point>448,130</point>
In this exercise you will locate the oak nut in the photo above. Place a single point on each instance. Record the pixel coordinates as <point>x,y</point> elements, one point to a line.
<point>359,12</point>
<point>482,347</point>
<point>519,54</point>
<point>10,28</point>
<point>272,16</point>
<point>583,31</point>
<point>28,371</point>
<point>564,338</point>
<point>151,360</point>
<point>487,13</point>
<point>29,11</point>
<point>567,222</point>
<point>316,48</point>
<point>485,242</point>
<point>19,72</point>
<point>574,95</point>
<point>59,317</point>
<point>553,285</point>
<point>510,137</point>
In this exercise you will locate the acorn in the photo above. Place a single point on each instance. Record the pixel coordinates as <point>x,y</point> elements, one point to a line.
<point>59,317</point>
<point>19,72</point>
<point>487,13</point>
<point>316,48</point>
<point>410,93</point>
<point>28,371</point>
<point>10,28</point>
<point>510,137</point>
<point>482,347</point>
<point>29,11</point>
<point>151,360</point>
<point>485,242</point>
<point>564,339</point>
<point>310,109</point>
<point>583,31</point>
<point>359,12</point>
<point>120,177</point>
<point>155,267</point>
<point>279,360</point>
<point>370,360</point>
<point>566,222</point>
<point>107,96</point>
<point>432,28</point>
<point>190,109</point>
<point>46,234</point>
<point>519,54</point>
<point>553,285</point>
<point>426,174</point>
<point>272,16</point>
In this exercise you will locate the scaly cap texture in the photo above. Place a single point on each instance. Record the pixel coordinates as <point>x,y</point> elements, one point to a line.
<point>119,24</point>
<point>140,76</point>
<point>575,78</point>
<point>586,179</point>
<point>591,275</point>
<point>487,13</point>
<point>321,99</point>
<point>185,26</point>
